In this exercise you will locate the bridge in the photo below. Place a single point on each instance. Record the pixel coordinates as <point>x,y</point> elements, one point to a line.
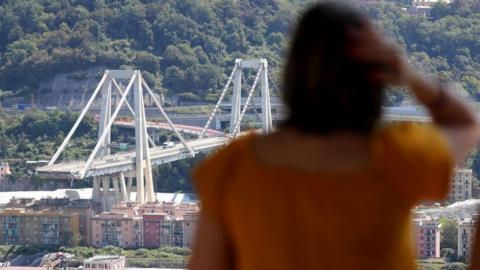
<point>114,174</point>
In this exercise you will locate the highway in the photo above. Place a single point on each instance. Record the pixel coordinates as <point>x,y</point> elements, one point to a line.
<point>123,162</point>
<point>160,125</point>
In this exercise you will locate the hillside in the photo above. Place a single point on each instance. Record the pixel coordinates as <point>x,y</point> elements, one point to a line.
<point>187,47</point>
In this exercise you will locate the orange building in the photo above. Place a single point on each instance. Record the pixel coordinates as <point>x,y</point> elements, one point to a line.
<point>46,227</point>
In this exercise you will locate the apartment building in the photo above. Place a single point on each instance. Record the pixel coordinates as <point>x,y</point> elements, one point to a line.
<point>190,224</point>
<point>152,229</point>
<point>427,238</point>
<point>466,231</point>
<point>461,187</point>
<point>4,170</point>
<point>117,229</point>
<point>83,207</point>
<point>85,210</point>
<point>171,233</point>
<point>476,192</point>
<point>172,209</point>
<point>50,228</point>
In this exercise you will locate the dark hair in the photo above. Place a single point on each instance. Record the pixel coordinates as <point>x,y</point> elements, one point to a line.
<point>325,89</point>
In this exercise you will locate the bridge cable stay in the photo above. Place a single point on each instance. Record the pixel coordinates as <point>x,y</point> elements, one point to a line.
<point>109,125</point>
<point>159,106</point>
<point>254,106</point>
<point>130,108</point>
<point>220,100</point>
<point>247,102</point>
<point>275,84</point>
<point>80,118</point>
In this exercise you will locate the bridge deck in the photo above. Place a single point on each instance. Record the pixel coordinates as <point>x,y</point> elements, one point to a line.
<point>123,162</point>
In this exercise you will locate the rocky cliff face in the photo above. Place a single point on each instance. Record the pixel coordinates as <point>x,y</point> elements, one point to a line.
<point>70,90</point>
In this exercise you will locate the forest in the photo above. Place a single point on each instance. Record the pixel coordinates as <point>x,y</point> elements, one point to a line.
<point>186,49</point>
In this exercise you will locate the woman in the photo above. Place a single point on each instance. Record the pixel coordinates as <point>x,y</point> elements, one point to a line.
<point>476,250</point>
<point>332,188</point>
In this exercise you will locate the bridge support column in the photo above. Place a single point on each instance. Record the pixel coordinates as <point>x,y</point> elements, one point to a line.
<point>236,96</point>
<point>265,92</point>
<point>143,166</point>
<point>129,186</point>
<point>105,194</point>
<point>149,190</point>
<point>96,189</point>
<point>116,189</point>
<point>123,188</point>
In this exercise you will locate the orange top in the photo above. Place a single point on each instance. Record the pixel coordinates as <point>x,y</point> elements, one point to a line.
<point>280,218</point>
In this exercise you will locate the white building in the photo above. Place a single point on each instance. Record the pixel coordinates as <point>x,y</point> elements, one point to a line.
<point>461,188</point>
<point>429,3</point>
<point>104,263</point>
<point>466,231</point>
<point>366,2</point>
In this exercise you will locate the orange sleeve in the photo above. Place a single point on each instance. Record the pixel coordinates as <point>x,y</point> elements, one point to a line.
<point>210,179</point>
<point>418,161</point>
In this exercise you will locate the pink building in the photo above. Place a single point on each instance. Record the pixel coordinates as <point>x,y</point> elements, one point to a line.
<point>151,225</point>
<point>171,209</point>
<point>427,239</point>
<point>117,229</point>
<point>152,229</point>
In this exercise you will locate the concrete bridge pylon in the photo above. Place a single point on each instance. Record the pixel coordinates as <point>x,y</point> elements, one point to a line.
<point>114,177</point>
<point>138,88</point>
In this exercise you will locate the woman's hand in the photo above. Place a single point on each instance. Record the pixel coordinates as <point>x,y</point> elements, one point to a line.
<point>391,65</point>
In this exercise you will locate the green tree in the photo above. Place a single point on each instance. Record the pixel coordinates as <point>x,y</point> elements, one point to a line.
<point>449,234</point>
<point>454,266</point>
<point>147,61</point>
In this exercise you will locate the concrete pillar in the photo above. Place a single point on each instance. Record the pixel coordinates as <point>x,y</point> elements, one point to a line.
<point>265,92</point>
<point>123,189</point>
<point>129,186</point>
<point>139,156</point>
<point>96,189</point>
<point>149,189</point>
<point>236,96</point>
<point>218,123</point>
<point>116,189</point>
<point>105,194</point>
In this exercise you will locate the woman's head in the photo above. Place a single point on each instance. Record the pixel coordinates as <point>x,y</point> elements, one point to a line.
<point>325,89</point>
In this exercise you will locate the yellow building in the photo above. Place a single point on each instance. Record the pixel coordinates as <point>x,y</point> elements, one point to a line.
<point>45,227</point>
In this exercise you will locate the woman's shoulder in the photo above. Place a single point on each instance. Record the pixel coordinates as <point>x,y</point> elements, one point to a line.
<point>410,141</point>
<point>416,158</point>
<point>409,134</point>
<point>223,157</point>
